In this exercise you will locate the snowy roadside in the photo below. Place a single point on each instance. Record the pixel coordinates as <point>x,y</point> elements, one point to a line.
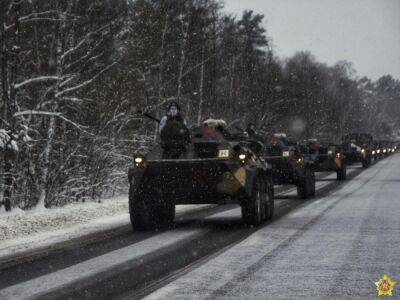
<point>27,231</point>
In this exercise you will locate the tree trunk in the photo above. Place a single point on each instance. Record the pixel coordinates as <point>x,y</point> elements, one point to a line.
<point>201,86</point>
<point>230,102</point>
<point>44,193</point>
<point>8,178</point>
<point>161,71</point>
<point>9,96</point>
<point>182,60</point>
<point>46,163</point>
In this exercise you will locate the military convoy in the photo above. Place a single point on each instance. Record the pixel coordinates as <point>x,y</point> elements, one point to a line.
<point>213,164</point>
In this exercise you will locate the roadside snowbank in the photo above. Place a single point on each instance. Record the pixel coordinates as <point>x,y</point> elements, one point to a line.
<point>21,223</point>
<point>24,231</point>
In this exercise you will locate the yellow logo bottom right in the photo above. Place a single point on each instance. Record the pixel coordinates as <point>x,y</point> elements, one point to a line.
<point>385,286</point>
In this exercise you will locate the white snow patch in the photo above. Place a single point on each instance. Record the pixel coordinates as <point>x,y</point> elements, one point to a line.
<point>23,231</point>
<point>25,223</point>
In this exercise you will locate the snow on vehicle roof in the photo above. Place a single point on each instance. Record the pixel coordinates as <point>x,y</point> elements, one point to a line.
<point>280,135</point>
<point>215,123</point>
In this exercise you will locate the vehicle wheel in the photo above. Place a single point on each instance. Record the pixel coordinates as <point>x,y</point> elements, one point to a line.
<point>147,211</point>
<point>167,213</point>
<point>312,184</point>
<point>306,186</point>
<point>366,162</point>
<point>270,201</point>
<point>301,190</point>
<point>341,174</point>
<point>252,206</point>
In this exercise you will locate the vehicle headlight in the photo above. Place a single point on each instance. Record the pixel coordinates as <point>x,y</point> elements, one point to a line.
<point>379,151</point>
<point>373,152</point>
<point>286,153</point>
<point>242,156</point>
<point>362,150</point>
<point>138,161</point>
<point>384,150</point>
<point>224,153</point>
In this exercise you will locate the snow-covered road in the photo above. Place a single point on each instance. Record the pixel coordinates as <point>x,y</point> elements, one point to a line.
<point>336,247</point>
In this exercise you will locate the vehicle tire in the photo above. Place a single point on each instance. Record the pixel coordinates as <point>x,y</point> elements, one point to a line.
<point>301,190</point>
<point>312,184</point>
<point>306,185</point>
<point>366,162</point>
<point>167,212</point>
<point>341,174</point>
<point>270,201</point>
<point>253,206</point>
<point>147,210</point>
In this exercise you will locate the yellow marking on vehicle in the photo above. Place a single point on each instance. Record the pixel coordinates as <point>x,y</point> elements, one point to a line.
<point>231,183</point>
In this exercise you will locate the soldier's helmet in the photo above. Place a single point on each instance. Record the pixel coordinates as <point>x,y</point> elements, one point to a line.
<point>173,109</point>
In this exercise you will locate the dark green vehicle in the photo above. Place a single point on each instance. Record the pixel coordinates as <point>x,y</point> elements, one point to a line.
<point>290,166</point>
<point>326,157</point>
<point>377,151</point>
<point>216,167</point>
<point>358,148</point>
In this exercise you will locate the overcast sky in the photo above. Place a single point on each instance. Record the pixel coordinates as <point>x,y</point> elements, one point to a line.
<point>365,32</point>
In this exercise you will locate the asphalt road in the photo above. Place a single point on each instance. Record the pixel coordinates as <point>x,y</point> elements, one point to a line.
<point>336,247</point>
<point>211,254</point>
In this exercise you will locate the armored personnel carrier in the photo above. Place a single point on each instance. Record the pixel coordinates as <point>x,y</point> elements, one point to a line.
<point>213,166</point>
<point>326,157</point>
<point>358,147</point>
<point>290,166</point>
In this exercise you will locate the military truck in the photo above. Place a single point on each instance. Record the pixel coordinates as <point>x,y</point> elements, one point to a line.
<point>215,167</point>
<point>290,166</point>
<point>326,157</point>
<point>358,147</point>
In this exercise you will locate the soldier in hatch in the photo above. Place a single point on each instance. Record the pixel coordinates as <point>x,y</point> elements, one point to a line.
<point>174,133</point>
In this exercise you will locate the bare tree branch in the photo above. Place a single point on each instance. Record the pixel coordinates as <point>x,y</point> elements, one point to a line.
<point>85,83</point>
<point>37,79</point>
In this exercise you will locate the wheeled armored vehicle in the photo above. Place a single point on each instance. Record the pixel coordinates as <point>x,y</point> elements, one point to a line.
<point>290,166</point>
<point>326,157</point>
<point>358,147</point>
<point>377,151</point>
<point>387,148</point>
<point>214,167</point>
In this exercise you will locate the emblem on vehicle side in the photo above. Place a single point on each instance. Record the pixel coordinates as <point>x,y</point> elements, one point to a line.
<point>385,285</point>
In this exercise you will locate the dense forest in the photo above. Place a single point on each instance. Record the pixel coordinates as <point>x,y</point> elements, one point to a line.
<point>74,73</point>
